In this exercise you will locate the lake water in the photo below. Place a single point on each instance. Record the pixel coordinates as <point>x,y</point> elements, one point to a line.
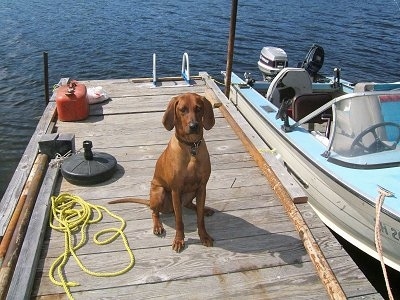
<point>116,39</point>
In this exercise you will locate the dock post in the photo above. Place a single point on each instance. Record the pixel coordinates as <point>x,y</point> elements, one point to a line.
<point>46,76</point>
<point>231,44</point>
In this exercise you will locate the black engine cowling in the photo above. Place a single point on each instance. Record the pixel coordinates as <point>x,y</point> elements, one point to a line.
<point>314,60</point>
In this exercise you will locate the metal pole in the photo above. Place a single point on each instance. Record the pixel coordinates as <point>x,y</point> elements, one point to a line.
<point>46,76</point>
<point>231,43</point>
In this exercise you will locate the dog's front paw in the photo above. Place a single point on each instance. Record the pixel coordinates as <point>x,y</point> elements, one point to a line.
<point>178,245</point>
<point>158,229</point>
<point>206,239</point>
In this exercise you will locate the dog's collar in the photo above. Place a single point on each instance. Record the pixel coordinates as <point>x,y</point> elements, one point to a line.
<point>194,146</point>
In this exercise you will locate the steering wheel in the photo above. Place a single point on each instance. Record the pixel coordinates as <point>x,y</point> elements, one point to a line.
<point>378,145</point>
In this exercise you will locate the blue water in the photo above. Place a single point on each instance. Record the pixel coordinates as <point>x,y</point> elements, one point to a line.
<point>116,39</point>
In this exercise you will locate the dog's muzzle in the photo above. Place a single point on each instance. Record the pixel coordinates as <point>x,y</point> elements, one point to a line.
<point>193,127</point>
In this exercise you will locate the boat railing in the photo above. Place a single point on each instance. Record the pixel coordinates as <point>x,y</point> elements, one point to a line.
<point>315,113</point>
<point>307,103</point>
<point>326,106</point>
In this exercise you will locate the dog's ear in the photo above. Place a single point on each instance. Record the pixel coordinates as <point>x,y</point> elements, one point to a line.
<point>208,118</point>
<point>169,115</point>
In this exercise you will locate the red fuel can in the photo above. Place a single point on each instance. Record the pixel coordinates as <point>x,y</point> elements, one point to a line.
<point>71,102</point>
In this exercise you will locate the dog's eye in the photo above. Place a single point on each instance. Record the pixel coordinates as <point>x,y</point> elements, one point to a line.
<point>183,110</point>
<point>197,109</point>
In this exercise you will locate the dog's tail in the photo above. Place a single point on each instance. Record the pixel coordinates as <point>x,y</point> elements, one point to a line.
<point>131,200</point>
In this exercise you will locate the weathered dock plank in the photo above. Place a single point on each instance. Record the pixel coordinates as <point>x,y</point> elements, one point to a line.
<point>248,238</point>
<point>22,280</point>
<point>257,252</point>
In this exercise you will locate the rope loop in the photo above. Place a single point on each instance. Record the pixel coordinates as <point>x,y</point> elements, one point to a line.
<point>72,215</point>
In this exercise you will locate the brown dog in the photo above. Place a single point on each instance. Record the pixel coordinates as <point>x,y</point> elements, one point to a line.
<point>183,169</point>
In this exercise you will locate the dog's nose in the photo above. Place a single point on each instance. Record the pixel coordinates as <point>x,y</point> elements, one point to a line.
<point>193,126</point>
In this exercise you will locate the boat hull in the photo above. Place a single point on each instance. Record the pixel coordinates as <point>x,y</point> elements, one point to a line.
<point>340,207</point>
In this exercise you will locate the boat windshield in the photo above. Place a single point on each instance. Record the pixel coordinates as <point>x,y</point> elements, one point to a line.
<point>366,129</point>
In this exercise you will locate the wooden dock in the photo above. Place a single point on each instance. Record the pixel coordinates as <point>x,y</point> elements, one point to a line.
<point>258,252</point>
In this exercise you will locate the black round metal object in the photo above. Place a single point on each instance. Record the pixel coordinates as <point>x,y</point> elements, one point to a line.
<point>89,167</point>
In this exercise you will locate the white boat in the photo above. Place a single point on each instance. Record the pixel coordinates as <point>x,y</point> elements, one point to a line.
<point>341,141</point>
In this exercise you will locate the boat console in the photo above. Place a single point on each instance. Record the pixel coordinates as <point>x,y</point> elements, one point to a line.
<point>290,82</point>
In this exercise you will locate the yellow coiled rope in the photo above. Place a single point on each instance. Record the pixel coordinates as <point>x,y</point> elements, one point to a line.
<point>70,215</point>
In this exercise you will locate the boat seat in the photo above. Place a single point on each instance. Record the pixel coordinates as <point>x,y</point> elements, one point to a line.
<point>292,81</point>
<point>305,104</point>
<point>363,87</point>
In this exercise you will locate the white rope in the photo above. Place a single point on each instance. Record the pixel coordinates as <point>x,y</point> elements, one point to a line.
<point>58,160</point>
<point>378,241</point>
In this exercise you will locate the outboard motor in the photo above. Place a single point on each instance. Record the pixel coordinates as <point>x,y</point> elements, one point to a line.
<point>272,61</point>
<point>313,60</point>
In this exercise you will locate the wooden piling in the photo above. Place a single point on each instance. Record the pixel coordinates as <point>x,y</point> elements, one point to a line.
<point>15,244</point>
